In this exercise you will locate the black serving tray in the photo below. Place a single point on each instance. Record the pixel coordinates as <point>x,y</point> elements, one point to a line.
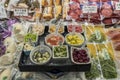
<point>25,65</point>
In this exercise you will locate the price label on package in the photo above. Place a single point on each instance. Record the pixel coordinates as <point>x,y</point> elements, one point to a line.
<point>20,12</point>
<point>89,9</point>
<point>117,6</point>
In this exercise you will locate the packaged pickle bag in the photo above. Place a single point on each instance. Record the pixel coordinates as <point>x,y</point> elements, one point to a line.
<point>57,11</point>
<point>74,11</point>
<point>106,12</point>
<point>106,57</point>
<point>95,71</point>
<point>115,4</point>
<point>94,13</point>
<point>116,11</point>
<point>65,8</point>
<point>77,26</point>
<point>47,13</point>
<point>95,34</point>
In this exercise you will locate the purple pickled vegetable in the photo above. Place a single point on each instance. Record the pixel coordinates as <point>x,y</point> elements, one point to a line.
<point>4,31</point>
<point>1,30</point>
<point>82,51</point>
<point>80,56</point>
<point>6,34</point>
<point>11,22</point>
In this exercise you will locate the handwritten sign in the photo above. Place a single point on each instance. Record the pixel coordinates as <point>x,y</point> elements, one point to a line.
<point>89,9</point>
<point>20,12</point>
<point>117,6</point>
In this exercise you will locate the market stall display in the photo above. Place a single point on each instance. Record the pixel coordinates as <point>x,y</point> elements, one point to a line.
<point>58,36</point>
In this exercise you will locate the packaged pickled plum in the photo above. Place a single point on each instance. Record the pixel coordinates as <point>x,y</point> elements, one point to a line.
<point>78,28</point>
<point>74,11</point>
<point>106,9</point>
<point>94,14</point>
<point>107,21</point>
<point>116,9</point>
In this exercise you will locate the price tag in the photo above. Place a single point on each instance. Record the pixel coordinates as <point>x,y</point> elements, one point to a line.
<point>20,12</point>
<point>3,13</point>
<point>117,6</point>
<point>89,9</point>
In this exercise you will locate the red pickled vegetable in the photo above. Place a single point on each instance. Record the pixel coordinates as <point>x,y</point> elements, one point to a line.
<point>80,56</point>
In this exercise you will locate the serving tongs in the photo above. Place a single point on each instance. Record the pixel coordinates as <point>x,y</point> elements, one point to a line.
<point>57,28</point>
<point>30,31</point>
<point>42,49</point>
<point>73,26</point>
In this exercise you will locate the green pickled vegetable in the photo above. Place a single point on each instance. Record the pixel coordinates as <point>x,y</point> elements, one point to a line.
<point>108,68</point>
<point>107,65</point>
<point>94,71</point>
<point>41,57</point>
<point>30,37</point>
<point>60,51</point>
<point>93,38</point>
<point>5,78</point>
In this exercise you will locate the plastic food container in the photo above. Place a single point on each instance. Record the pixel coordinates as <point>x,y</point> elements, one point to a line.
<point>80,36</point>
<point>27,48</point>
<point>78,28</point>
<point>40,48</point>
<point>38,29</point>
<point>54,39</point>
<point>52,28</point>
<point>60,56</point>
<point>88,56</point>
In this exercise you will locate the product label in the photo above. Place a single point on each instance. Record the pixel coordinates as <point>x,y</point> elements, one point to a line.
<point>20,12</point>
<point>105,53</point>
<point>117,6</point>
<point>89,9</point>
<point>98,34</point>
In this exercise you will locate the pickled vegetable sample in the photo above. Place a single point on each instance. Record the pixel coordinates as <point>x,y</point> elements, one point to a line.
<point>40,57</point>
<point>75,39</point>
<point>60,51</point>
